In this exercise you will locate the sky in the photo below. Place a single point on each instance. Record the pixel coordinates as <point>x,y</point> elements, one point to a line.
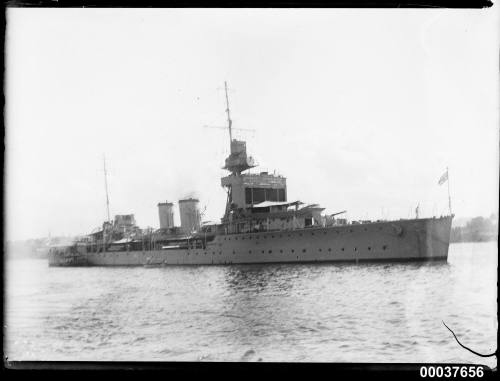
<point>362,110</point>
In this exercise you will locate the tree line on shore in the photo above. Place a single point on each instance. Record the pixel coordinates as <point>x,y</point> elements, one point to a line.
<point>477,229</point>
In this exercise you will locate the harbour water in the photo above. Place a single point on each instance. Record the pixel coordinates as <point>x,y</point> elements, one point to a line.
<point>386,312</point>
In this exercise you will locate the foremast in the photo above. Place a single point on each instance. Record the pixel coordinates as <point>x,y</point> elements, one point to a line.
<point>237,162</point>
<point>245,190</point>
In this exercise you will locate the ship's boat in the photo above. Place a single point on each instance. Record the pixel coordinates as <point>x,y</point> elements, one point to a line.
<point>259,225</point>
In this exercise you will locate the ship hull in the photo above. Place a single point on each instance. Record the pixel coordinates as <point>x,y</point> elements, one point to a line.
<point>403,240</point>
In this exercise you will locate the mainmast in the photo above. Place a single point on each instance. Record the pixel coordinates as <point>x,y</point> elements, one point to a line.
<point>229,121</point>
<point>449,197</point>
<point>106,185</point>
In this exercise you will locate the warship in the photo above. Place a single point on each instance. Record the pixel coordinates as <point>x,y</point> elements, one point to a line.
<point>259,225</point>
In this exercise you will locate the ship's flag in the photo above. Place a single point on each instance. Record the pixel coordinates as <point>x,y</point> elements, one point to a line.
<point>443,178</point>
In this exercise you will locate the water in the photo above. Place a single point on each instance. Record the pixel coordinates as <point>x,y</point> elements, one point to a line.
<point>300,312</point>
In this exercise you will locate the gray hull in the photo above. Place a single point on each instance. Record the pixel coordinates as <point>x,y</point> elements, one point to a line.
<point>404,240</point>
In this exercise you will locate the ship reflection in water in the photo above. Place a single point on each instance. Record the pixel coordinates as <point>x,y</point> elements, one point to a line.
<point>276,312</point>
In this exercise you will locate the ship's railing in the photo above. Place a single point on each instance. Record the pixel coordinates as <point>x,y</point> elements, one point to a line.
<point>146,245</point>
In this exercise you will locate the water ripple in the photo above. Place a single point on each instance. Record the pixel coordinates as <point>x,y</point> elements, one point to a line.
<point>298,312</point>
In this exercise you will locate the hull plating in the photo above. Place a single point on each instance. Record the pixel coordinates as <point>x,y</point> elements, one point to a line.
<point>403,240</point>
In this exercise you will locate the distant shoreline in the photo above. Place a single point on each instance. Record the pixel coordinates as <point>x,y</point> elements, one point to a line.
<point>477,229</point>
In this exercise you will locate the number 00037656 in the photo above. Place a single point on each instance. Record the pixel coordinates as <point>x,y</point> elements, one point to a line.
<point>451,371</point>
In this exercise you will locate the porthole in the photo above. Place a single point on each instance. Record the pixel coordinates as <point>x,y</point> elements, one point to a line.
<point>319,249</point>
<point>272,236</point>
<point>281,250</point>
<point>293,251</point>
<point>369,248</point>
<point>350,230</point>
<point>303,250</point>
<point>384,247</point>
<point>300,234</point>
<point>312,233</point>
<point>262,251</point>
<point>342,249</point>
<point>355,249</point>
<point>250,251</point>
<point>270,251</point>
<point>329,249</point>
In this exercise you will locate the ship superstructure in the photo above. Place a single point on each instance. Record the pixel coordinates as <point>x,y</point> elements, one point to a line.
<point>259,225</point>
<point>258,202</point>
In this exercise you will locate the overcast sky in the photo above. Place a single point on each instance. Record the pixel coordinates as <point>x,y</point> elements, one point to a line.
<point>361,110</point>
